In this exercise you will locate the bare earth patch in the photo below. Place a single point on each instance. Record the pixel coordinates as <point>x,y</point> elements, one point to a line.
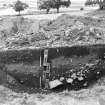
<point>83,97</point>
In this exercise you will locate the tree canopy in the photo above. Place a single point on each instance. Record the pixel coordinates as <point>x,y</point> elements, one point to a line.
<point>19,6</point>
<point>101,3</point>
<point>48,4</point>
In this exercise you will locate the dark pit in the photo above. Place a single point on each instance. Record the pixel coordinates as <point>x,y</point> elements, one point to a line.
<point>86,63</point>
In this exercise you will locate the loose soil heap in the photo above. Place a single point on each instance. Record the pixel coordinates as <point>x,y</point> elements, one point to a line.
<point>64,31</point>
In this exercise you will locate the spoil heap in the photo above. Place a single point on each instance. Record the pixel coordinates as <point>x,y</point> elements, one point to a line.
<point>64,31</point>
<point>68,31</point>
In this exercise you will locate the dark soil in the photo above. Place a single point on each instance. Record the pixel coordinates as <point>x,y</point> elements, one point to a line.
<point>23,66</point>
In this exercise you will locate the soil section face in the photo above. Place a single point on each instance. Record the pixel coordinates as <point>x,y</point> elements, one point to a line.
<point>78,62</point>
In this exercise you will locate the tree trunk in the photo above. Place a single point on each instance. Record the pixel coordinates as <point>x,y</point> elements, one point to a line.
<point>47,11</point>
<point>19,13</point>
<point>101,6</point>
<point>69,2</point>
<point>58,10</point>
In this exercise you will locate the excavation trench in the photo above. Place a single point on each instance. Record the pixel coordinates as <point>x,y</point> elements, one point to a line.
<point>82,66</point>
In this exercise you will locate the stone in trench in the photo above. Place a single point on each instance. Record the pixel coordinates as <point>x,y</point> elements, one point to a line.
<point>10,79</point>
<point>85,84</point>
<point>62,78</point>
<point>55,83</point>
<point>80,78</point>
<point>74,76</point>
<point>69,80</point>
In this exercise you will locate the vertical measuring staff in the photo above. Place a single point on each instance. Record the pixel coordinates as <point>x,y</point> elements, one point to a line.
<point>46,71</point>
<point>41,70</point>
<point>45,57</point>
<point>40,59</point>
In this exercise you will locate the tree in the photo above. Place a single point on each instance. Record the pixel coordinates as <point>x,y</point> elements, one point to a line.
<point>101,3</point>
<point>48,4</point>
<point>19,6</point>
